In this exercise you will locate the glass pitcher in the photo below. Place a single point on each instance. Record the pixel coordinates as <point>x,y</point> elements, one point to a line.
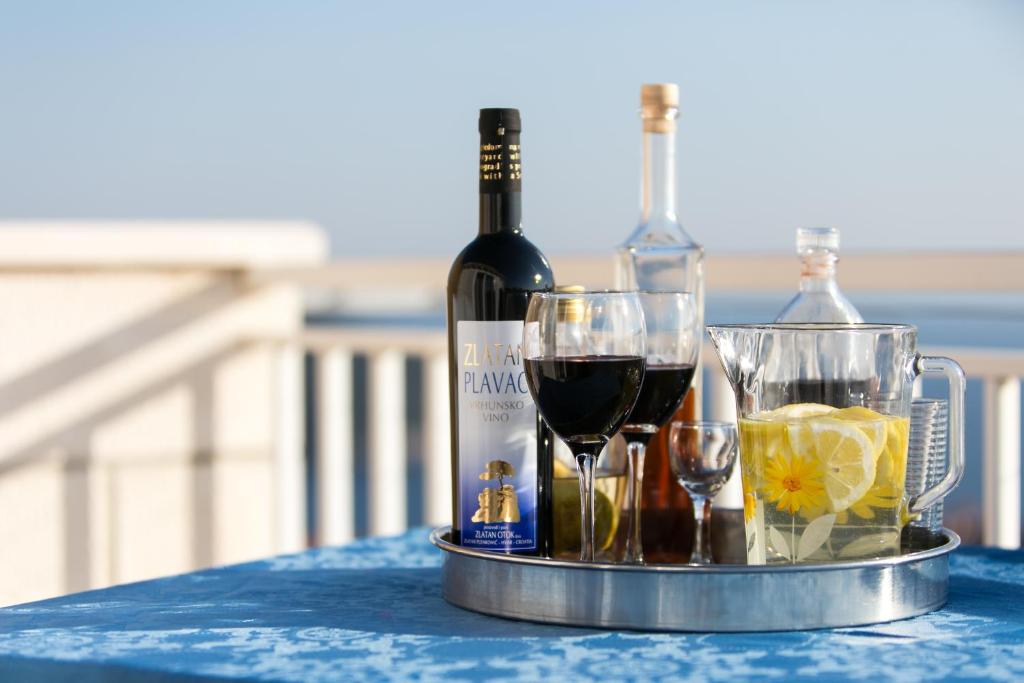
<point>824,421</point>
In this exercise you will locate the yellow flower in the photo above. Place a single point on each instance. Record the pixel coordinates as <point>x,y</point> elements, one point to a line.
<point>793,483</point>
<point>749,507</point>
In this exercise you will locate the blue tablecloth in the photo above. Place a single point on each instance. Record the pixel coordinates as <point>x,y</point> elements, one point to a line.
<point>373,610</point>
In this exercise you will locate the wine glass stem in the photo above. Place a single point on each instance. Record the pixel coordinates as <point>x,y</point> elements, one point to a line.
<point>635,452</point>
<point>701,504</point>
<point>585,464</point>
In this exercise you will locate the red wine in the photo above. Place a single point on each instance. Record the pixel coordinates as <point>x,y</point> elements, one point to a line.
<point>667,521</point>
<point>585,399</point>
<point>502,463</point>
<point>663,391</point>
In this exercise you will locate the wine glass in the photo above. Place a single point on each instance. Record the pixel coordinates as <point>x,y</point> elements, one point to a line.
<point>584,355</point>
<point>702,455</point>
<point>673,344</point>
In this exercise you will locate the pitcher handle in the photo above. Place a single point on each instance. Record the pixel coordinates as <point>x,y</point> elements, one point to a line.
<point>957,389</point>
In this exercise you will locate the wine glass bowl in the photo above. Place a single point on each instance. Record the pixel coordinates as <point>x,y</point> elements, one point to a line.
<point>702,455</point>
<point>584,356</point>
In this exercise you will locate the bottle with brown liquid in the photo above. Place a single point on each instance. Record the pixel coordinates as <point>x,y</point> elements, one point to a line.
<point>660,255</point>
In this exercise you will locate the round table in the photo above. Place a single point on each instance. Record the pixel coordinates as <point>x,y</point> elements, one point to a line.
<point>373,610</point>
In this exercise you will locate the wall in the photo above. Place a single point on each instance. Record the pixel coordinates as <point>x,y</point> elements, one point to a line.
<point>138,398</point>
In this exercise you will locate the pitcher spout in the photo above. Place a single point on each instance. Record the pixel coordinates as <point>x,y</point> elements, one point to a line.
<point>735,348</point>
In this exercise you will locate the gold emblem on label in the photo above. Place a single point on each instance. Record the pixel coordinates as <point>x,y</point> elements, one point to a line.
<point>498,504</point>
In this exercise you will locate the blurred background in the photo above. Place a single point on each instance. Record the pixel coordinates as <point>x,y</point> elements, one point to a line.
<point>226,229</point>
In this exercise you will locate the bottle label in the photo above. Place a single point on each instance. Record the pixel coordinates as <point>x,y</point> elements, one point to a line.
<point>501,163</point>
<point>497,438</point>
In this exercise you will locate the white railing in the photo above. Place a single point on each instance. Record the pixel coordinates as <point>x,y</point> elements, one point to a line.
<point>1001,373</point>
<point>386,348</point>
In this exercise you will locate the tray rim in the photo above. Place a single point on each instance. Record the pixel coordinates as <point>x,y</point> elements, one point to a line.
<point>952,542</point>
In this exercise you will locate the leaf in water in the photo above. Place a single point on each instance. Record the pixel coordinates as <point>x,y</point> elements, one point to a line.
<point>815,535</point>
<point>779,543</point>
<point>751,538</point>
<point>872,546</point>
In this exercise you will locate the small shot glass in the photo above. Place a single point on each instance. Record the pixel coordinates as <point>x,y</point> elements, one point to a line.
<point>702,455</point>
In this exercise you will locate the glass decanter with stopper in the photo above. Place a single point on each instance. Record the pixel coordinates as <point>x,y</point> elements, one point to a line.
<point>819,299</point>
<point>659,255</point>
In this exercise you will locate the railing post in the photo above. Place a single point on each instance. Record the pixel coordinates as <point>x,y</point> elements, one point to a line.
<point>334,460</point>
<point>723,407</point>
<point>1001,493</point>
<point>387,429</point>
<point>289,460</point>
<point>437,441</point>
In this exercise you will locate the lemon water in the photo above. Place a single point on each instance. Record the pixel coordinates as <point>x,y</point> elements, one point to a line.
<point>822,484</point>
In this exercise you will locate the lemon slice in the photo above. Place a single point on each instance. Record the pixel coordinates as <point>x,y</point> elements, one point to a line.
<point>857,414</point>
<point>567,516</point>
<point>848,458</point>
<point>871,423</point>
<point>892,463</point>
<point>801,439</point>
<point>797,410</point>
<point>563,471</point>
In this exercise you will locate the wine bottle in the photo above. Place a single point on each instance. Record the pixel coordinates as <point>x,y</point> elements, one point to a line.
<point>501,450</point>
<point>659,255</point>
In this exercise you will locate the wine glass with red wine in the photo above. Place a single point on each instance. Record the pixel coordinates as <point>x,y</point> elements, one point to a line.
<point>584,355</point>
<point>673,344</point>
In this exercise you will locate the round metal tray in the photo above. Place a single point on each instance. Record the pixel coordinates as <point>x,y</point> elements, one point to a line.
<point>725,597</point>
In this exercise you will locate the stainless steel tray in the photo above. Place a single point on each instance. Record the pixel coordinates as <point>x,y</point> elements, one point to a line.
<point>725,597</point>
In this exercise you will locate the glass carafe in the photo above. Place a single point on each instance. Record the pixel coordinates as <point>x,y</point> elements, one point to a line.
<point>659,255</point>
<point>824,419</point>
<point>819,299</point>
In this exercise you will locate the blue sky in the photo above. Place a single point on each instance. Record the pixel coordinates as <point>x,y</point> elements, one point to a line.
<point>902,123</point>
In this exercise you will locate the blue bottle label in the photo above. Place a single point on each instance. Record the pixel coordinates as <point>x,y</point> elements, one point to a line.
<point>497,438</point>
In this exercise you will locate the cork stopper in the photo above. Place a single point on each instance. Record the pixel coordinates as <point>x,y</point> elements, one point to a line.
<point>659,107</point>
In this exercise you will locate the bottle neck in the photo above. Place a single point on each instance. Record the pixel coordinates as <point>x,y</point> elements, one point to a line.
<point>818,271</point>
<point>501,173</point>
<point>658,182</point>
<point>501,211</point>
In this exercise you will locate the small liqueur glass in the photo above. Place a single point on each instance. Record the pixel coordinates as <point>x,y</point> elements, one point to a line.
<point>702,455</point>
<point>584,359</point>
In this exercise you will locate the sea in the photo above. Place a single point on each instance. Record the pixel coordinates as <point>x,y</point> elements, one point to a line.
<point>978,321</point>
